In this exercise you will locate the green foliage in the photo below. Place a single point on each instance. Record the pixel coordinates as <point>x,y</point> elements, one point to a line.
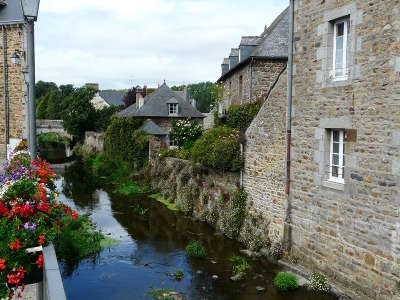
<point>42,88</point>
<point>241,116</point>
<point>103,117</point>
<point>178,274</point>
<point>49,139</point>
<point>185,132</point>
<point>125,142</point>
<point>49,98</point>
<point>319,282</point>
<point>177,153</point>
<point>53,105</point>
<point>218,148</point>
<point>285,281</point>
<point>240,266</point>
<point>196,249</point>
<point>160,294</point>
<point>238,211</point>
<point>78,113</point>
<point>78,239</point>
<point>171,206</point>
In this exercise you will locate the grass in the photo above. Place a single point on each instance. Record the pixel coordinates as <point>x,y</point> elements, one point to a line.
<point>286,281</point>
<point>240,266</point>
<point>130,188</point>
<point>196,249</point>
<point>168,204</point>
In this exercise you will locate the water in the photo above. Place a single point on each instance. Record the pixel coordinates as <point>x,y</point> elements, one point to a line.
<point>152,247</point>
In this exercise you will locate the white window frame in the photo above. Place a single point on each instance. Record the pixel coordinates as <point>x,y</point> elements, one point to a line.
<point>341,154</point>
<point>173,109</point>
<point>346,22</point>
<point>173,144</point>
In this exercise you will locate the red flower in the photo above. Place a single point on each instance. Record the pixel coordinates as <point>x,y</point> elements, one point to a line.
<point>3,264</point>
<point>74,215</point>
<point>4,210</point>
<point>44,207</point>
<point>23,210</point>
<point>39,261</point>
<point>41,240</point>
<point>15,245</point>
<point>16,277</point>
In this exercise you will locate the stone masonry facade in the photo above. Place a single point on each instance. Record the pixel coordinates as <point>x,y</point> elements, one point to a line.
<point>348,231</point>
<point>265,73</point>
<point>265,154</point>
<point>16,89</point>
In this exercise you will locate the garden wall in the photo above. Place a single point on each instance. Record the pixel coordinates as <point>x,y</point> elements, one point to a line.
<point>213,197</point>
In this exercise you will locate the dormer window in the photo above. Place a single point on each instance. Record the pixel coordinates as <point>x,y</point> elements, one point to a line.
<point>173,109</point>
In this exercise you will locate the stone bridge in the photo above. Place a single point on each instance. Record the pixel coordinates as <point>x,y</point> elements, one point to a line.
<point>47,126</point>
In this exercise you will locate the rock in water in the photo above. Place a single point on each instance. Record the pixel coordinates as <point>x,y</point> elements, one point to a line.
<point>260,289</point>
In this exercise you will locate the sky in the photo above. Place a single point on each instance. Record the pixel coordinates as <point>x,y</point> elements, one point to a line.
<point>124,43</point>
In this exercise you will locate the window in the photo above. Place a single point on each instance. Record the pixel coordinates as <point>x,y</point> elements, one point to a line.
<point>173,109</point>
<point>340,43</point>
<point>240,87</point>
<point>337,157</point>
<point>173,144</point>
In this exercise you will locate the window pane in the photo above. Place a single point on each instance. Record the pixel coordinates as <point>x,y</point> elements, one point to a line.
<point>335,159</point>
<point>340,29</point>
<point>336,135</point>
<point>335,171</point>
<point>336,148</point>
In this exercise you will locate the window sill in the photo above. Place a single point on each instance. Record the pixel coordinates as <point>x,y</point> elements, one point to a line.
<point>340,78</point>
<point>334,185</point>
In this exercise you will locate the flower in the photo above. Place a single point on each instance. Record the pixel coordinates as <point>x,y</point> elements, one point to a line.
<point>74,215</point>
<point>39,261</point>
<point>41,240</point>
<point>30,227</point>
<point>2,264</point>
<point>15,245</point>
<point>17,276</point>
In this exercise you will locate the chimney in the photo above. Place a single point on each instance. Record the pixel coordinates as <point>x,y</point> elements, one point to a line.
<point>225,66</point>
<point>94,86</point>
<point>139,97</point>
<point>185,93</point>
<point>233,58</point>
<point>144,91</point>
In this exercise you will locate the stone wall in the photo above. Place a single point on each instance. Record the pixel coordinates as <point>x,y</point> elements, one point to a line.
<point>16,88</point>
<point>351,231</point>
<point>94,142</point>
<point>265,73</point>
<point>265,157</point>
<point>208,121</point>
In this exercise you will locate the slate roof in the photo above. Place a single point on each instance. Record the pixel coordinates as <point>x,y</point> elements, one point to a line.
<point>234,52</point>
<point>155,105</point>
<point>127,112</point>
<point>11,13</point>
<point>250,40</point>
<point>115,98</point>
<point>152,128</point>
<point>272,44</point>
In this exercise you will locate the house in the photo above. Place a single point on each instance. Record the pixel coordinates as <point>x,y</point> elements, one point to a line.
<point>338,212</point>
<point>107,98</point>
<point>160,108</point>
<point>14,76</point>
<point>251,69</point>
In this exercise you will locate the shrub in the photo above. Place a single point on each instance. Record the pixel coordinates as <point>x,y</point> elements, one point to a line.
<point>185,133</point>
<point>196,249</point>
<point>319,282</point>
<point>241,116</point>
<point>124,141</point>
<point>218,148</point>
<point>177,153</point>
<point>240,266</point>
<point>178,274</point>
<point>285,281</point>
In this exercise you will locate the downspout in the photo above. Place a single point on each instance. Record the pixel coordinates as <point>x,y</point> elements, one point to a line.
<point>5,89</point>
<point>251,80</point>
<point>288,220</point>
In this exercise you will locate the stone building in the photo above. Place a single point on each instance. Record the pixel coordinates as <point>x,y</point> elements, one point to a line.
<point>342,215</point>
<point>13,86</point>
<point>160,108</point>
<point>253,67</point>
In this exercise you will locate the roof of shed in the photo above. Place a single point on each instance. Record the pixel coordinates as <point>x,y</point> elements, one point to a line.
<point>115,98</point>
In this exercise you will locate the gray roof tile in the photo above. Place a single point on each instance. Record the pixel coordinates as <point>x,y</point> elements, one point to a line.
<point>152,128</point>
<point>115,98</point>
<point>12,13</point>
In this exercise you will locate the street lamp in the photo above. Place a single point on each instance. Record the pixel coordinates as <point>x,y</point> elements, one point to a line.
<point>31,11</point>
<point>15,59</point>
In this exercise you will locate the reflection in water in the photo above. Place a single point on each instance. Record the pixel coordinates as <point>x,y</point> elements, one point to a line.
<point>152,246</point>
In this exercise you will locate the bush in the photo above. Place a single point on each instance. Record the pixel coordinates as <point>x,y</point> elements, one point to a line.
<point>218,148</point>
<point>241,116</point>
<point>126,142</point>
<point>196,249</point>
<point>285,281</point>
<point>319,282</point>
<point>240,266</point>
<point>177,153</point>
<point>185,133</point>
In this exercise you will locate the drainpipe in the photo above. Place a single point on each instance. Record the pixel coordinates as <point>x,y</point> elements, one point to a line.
<point>5,91</point>
<point>288,230</point>
<point>251,80</point>
<point>31,87</point>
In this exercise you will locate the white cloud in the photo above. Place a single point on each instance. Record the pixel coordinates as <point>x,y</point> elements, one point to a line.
<point>124,42</point>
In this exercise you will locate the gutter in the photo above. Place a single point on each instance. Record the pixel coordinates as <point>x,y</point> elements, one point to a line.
<point>5,89</point>
<point>288,219</point>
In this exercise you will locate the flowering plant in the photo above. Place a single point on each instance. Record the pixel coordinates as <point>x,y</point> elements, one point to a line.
<point>185,132</point>
<point>29,216</point>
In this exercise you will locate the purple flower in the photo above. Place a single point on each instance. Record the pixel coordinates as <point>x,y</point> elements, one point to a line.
<point>31,227</point>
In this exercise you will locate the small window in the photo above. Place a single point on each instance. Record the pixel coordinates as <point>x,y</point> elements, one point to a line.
<point>337,157</point>
<point>173,144</point>
<point>340,44</point>
<point>173,109</point>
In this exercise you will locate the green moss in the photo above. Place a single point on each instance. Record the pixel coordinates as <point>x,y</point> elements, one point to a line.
<point>240,266</point>
<point>286,281</point>
<point>196,249</point>
<point>168,204</point>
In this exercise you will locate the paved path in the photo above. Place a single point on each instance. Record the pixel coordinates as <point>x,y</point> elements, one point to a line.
<point>31,292</point>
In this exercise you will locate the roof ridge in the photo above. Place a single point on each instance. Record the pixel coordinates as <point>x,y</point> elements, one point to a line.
<point>271,27</point>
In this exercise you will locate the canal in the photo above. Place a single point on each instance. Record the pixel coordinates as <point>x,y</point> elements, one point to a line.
<point>152,241</point>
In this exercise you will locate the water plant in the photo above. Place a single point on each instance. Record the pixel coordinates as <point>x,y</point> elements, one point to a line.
<point>240,266</point>
<point>160,294</point>
<point>286,281</point>
<point>196,249</point>
<point>178,274</point>
<point>318,282</point>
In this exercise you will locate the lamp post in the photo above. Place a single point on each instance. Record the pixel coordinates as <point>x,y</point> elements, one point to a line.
<point>31,10</point>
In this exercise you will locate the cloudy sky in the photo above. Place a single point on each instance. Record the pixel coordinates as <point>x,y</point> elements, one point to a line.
<point>121,43</point>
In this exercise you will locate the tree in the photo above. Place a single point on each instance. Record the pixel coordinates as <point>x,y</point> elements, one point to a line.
<point>104,116</point>
<point>66,90</point>
<point>42,88</point>
<point>130,97</point>
<point>53,105</point>
<point>206,95</point>
<point>41,109</point>
<point>78,113</point>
